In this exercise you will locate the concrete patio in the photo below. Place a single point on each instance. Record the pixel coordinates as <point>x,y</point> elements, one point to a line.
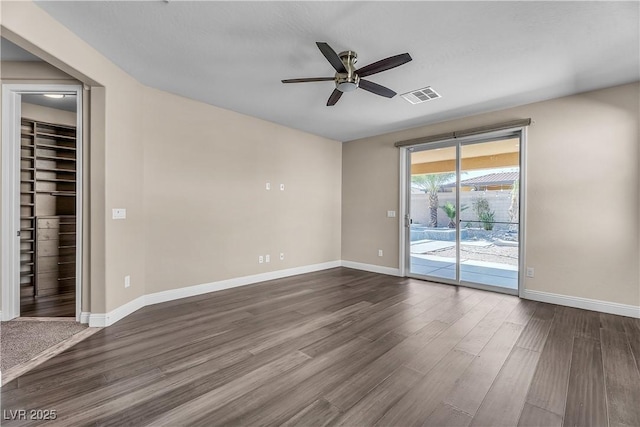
<point>482,272</point>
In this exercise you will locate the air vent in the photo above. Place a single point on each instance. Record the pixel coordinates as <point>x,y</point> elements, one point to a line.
<point>421,95</point>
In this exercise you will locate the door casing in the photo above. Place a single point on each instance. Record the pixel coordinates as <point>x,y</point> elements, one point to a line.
<point>11,117</point>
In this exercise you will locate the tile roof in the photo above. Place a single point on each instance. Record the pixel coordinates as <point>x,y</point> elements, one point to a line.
<point>502,178</point>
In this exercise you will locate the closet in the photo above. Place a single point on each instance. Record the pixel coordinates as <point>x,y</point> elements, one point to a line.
<point>47,219</point>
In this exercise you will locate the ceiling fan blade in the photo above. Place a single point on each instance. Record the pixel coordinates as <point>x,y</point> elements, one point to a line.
<point>331,56</point>
<point>335,96</point>
<point>310,79</point>
<point>384,64</point>
<point>376,88</point>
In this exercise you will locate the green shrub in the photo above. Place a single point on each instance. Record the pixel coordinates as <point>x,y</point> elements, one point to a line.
<point>487,220</point>
<point>484,212</point>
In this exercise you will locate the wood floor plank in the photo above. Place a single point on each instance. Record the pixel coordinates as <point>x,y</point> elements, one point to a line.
<point>240,386</point>
<point>447,415</point>
<point>196,387</point>
<point>344,346</point>
<point>480,335</point>
<point>588,325</point>
<point>375,403</point>
<point>346,394</point>
<point>145,410</point>
<point>534,335</point>
<point>467,302</point>
<point>376,331</point>
<point>320,413</point>
<point>276,409</point>
<point>302,328</point>
<point>549,385</point>
<point>532,416</point>
<point>476,381</point>
<point>523,312</point>
<point>632,328</point>
<point>611,322</point>
<point>455,305</point>
<point>361,322</point>
<point>586,396</point>
<point>505,400</point>
<point>410,327</point>
<point>419,402</point>
<point>621,379</point>
<point>428,357</point>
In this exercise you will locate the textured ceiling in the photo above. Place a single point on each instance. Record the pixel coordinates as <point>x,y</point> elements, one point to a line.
<point>11,52</point>
<point>479,56</point>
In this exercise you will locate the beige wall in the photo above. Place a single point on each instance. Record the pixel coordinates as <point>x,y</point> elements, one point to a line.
<point>208,214</point>
<point>115,149</point>
<point>191,177</point>
<point>185,206</point>
<point>49,115</point>
<point>582,152</point>
<point>33,72</point>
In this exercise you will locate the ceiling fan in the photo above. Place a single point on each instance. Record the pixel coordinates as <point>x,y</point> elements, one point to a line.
<point>348,78</point>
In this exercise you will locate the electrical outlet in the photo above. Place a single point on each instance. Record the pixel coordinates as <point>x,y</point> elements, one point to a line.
<point>127,281</point>
<point>260,259</point>
<point>267,258</point>
<point>530,272</point>
<point>281,187</point>
<point>281,256</point>
<point>379,252</point>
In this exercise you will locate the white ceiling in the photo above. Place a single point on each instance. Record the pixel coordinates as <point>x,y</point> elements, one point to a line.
<point>479,56</point>
<point>11,52</point>
<point>68,103</point>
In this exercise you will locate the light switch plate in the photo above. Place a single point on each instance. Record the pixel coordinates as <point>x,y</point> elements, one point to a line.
<point>119,213</point>
<point>391,214</point>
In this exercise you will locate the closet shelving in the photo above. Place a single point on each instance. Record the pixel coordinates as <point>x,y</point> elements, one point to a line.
<point>47,208</point>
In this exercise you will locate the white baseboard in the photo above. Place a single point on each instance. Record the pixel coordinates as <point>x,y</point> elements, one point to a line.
<point>101,320</point>
<point>190,291</point>
<point>108,319</point>
<point>84,317</point>
<point>372,268</point>
<point>584,303</point>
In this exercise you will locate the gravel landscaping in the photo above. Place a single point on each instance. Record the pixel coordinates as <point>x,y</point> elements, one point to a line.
<point>492,253</point>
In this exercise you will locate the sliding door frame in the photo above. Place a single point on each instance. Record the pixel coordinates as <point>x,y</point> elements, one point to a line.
<point>404,261</point>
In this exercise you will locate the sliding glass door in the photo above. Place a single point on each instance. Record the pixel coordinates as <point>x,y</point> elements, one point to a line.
<point>463,212</point>
<point>433,239</point>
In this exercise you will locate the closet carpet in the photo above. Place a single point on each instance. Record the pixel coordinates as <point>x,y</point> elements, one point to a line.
<point>22,340</point>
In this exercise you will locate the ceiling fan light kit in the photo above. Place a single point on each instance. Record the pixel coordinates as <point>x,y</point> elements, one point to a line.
<point>348,78</point>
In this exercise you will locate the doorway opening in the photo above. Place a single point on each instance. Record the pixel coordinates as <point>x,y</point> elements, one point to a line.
<point>463,211</point>
<point>42,201</point>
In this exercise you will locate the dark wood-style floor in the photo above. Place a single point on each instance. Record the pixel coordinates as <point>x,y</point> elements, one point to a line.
<point>62,305</point>
<point>345,347</point>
